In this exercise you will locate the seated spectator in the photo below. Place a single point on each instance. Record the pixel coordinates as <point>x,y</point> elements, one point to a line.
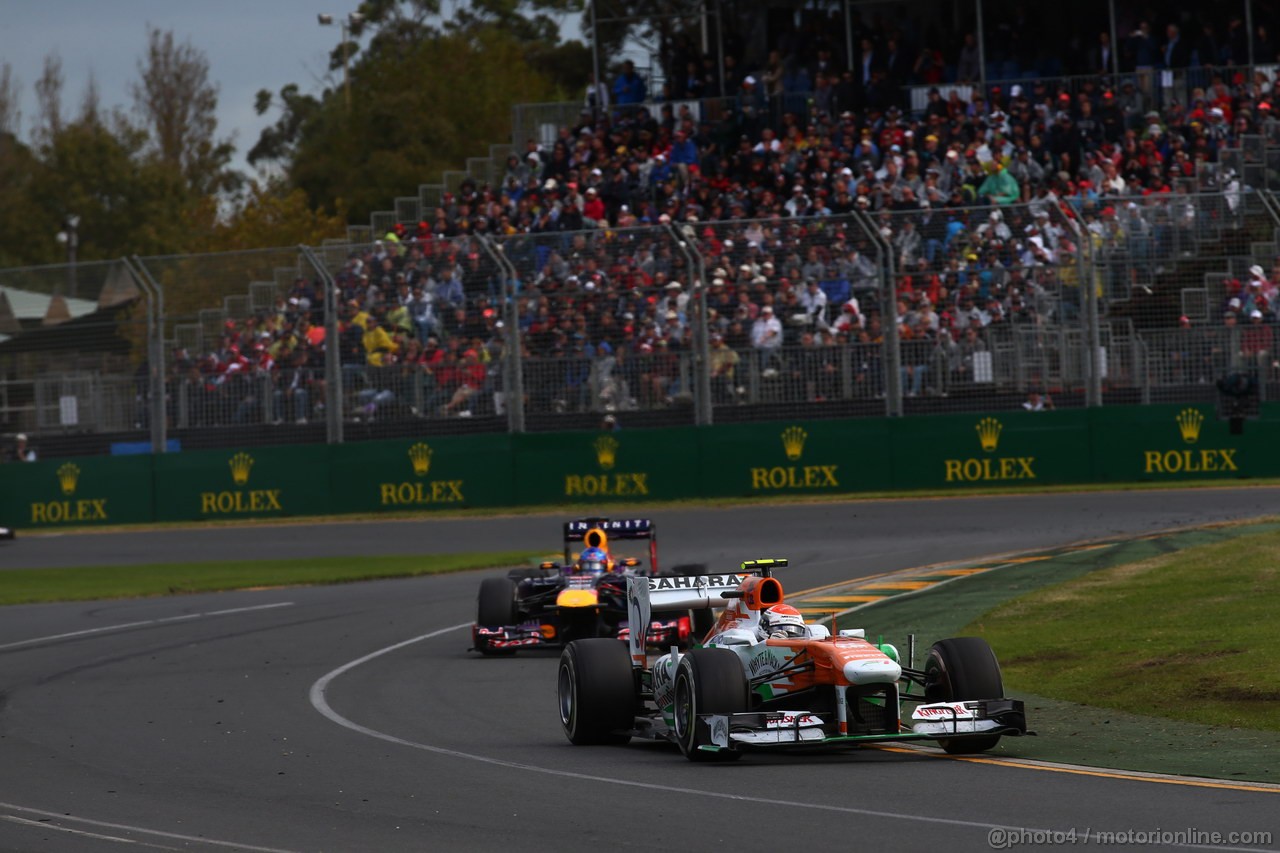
<point>22,450</point>
<point>379,346</point>
<point>1037,401</point>
<point>471,381</point>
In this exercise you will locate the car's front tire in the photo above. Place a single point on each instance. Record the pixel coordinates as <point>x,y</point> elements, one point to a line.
<point>961,669</point>
<point>496,604</point>
<point>596,692</point>
<point>708,681</point>
<point>496,608</point>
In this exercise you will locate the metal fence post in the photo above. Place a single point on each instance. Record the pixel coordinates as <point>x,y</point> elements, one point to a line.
<point>702,403</point>
<point>889,310</point>
<point>513,373</point>
<point>332,355</point>
<point>156,409</point>
<point>1092,332</point>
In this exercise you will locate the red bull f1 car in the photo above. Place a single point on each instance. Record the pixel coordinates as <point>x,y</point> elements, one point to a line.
<point>762,678</point>
<point>583,597</point>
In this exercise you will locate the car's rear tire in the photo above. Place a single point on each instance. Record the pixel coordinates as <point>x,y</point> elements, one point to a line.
<point>596,691</point>
<point>960,669</point>
<point>708,681</point>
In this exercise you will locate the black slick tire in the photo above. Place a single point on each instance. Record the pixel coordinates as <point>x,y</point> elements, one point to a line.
<point>596,692</point>
<point>708,681</point>
<point>496,608</point>
<point>960,669</point>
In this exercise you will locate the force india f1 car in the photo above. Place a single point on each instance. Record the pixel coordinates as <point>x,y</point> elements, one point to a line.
<point>743,689</point>
<point>581,598</point>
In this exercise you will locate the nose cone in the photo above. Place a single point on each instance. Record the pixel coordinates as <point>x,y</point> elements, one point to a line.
<point>880,671</point>
<point>577,598</point>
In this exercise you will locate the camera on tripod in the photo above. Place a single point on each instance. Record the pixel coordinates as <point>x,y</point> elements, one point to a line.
<point>1238,399</point>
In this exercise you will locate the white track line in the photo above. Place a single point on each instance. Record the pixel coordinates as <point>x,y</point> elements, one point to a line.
<point>321,704</point>
<point>186,616</point>
<point>40,824</point>
<point>48,815</point>
<point>194,839</point>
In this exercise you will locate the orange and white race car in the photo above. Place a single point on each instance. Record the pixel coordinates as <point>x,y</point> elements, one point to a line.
<point>764,679</point>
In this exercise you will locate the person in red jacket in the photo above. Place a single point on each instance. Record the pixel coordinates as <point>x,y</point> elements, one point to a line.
<point>593,208</point>
<point>471,375</point>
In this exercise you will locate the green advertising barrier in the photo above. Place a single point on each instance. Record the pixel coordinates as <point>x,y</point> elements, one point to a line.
<point>263,482</point>
<point>1156,443</point>
<point>85,490</point>
<point>1001,449</point>
<point>447,472</point>
<point>803,457</point>
<point>631,465</point>
<point>1106,445</point>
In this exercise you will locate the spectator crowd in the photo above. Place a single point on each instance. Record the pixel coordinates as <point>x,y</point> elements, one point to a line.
<point>984,201</point>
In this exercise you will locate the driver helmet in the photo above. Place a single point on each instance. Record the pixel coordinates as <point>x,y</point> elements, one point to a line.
<point>593,561</point>
<point>783,621</point>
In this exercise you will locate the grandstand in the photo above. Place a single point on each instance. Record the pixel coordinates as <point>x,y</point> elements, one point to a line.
<point>1103,238</point>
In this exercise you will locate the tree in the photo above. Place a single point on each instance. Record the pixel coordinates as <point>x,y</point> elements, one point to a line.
<point>49,98</point>
<point>178,106</point>
<point>658,24</point>
<point>10,108</point>
<point>409,118</point>
<point>271,214</point>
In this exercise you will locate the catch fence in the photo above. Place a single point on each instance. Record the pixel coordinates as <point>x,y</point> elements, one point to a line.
<point>1082,301</point>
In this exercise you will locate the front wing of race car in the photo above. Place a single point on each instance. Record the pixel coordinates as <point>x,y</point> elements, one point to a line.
<point>802,728</point>
<point>548,631</point>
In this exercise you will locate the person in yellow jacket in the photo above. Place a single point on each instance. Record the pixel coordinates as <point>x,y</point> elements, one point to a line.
<point>379,347</point>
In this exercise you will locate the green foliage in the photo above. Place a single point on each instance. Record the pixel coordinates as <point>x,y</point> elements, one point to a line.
<point>426,93</point>
<point>409,119</point>
<point>126,202</point>
<point>19,230</point>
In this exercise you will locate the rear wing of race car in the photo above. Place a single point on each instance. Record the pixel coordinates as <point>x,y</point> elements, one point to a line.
<point>596,533</point>
<point>646,596</point>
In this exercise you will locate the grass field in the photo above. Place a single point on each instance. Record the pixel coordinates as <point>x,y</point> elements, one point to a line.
<point>27,586</point>
<point>1188,636</point>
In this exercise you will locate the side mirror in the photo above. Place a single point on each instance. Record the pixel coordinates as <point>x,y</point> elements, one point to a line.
<point>630,562</point>
<point>858,633</point>
<point>549,564</point>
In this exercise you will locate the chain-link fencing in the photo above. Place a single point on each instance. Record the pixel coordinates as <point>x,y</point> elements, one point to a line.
<point>72,355</point>
<point>905,310</point>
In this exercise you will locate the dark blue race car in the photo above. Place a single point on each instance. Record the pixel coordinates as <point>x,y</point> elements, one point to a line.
<point>585,596</point>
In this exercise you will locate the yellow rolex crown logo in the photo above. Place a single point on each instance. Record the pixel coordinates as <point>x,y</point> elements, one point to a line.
<point>420,456</point>
<point>606,451</point>
<point>241,465</point>
<point>68,476</point>
<point>1189,423</point>
<point>989,430</point>
<point>793,439</point>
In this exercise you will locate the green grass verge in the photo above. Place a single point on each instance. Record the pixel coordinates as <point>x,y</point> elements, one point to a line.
<point>29,586</point>
<point>1186,636</point>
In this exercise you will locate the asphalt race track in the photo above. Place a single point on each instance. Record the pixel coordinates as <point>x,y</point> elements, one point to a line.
<point>352,718</point>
